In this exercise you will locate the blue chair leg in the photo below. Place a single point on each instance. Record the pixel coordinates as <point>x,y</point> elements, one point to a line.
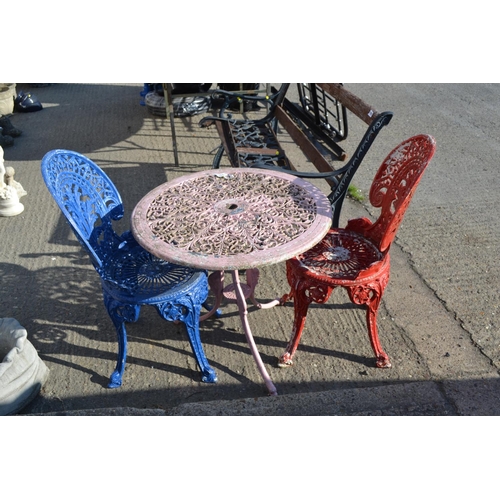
<point>116,377</point>
<point>119,314</point>
<point>192,322</point>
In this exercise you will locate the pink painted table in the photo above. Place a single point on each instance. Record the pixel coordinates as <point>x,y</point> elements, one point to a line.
<point>231,219</point>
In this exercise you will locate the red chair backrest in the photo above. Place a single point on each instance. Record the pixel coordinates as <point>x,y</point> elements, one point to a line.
<point>394,186</point>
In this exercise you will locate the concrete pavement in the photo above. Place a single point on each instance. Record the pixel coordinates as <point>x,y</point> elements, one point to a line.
<point>438,320</point>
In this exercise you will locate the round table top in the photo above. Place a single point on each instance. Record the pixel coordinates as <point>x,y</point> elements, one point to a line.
<point>231,218</point>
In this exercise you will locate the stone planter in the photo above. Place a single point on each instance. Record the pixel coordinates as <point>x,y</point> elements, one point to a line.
<point>22,372</point>
<point>7,96</point>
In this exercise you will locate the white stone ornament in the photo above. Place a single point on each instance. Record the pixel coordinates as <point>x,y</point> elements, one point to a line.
<point>10,191</point>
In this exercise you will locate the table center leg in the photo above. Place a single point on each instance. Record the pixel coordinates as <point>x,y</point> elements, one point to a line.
<point>216,283</point>
<point>242,307</point>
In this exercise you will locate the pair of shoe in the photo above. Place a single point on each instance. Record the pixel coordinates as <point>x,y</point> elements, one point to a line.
<point>7,132</point>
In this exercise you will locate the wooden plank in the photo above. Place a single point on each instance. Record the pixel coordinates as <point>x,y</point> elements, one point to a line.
<point>260,151</point>
<point>304,143</point>
<point>229,148</point>
<point>352,102</point>
<point>308,122</point>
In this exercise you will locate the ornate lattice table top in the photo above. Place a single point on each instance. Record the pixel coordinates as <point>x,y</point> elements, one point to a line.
<point>231,218</point>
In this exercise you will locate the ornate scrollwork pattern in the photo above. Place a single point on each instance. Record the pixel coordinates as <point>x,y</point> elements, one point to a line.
<point>130,276</point>
<point>85,194</point>
<point>260,212</point>
<point>395,183</point>
<point>248,135</point>
<point>140,274</point>
<point>340,255</point>
<point>369,293</point>
<point>88,199</point>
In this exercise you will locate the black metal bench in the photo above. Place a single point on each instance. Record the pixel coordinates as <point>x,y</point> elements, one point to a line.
<point>248,141</point>
<point>321,114</point>
<point>254,143</point>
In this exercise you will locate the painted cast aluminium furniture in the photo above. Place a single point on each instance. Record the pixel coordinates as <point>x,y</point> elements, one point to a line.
<point>357,257</point>
<point>130,276</point>
<point>229,220</point>
<point>254,143</point>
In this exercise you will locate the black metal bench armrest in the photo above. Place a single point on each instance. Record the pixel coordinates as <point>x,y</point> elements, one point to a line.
<point>230,97</point>
<point>306,175</point>
<point>208,121</point>
<point>275,96</point>
<point>341,178</point>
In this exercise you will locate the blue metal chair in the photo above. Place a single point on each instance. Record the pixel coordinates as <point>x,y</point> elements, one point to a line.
<point>130,276</point>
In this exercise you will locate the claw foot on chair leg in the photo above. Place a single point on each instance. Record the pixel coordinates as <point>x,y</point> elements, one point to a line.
<point>285,360</point>
<point>284,299</point>
<point>209,376</point>
<point>383,361</point>
<point>115,380</point>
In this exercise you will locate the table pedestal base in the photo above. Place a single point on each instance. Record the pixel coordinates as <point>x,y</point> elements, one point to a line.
<point>240,292</point>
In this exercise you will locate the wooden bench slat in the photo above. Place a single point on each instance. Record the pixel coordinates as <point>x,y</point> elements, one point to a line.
<point>352,102</point>
<point>303,142</point>
<point>261,151</point>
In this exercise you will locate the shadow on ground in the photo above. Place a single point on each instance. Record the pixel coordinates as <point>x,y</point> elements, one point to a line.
<point>110,104</point>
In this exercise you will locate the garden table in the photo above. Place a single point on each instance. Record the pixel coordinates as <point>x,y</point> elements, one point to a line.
<point>232,219</point>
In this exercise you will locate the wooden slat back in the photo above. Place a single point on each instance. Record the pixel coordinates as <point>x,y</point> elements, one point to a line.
<point>353,103</point>
<point>306,146</point>
<point>302,141</point>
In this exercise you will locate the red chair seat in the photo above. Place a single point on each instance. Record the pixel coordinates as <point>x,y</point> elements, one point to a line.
<point>341,255</point>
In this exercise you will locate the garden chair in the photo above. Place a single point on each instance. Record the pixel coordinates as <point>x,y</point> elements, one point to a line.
<point>130,276</point>
<point>357,257</point>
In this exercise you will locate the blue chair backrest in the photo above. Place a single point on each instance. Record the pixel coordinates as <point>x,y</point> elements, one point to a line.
<point>87,198</point>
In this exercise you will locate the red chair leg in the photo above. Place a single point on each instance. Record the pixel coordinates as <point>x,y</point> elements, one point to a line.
<point>370,296</point>
<point>301,303</point>
<point>382,359</point>
<point>302,292</point>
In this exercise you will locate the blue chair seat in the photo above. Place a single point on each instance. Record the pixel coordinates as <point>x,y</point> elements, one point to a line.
<point>136,275</point>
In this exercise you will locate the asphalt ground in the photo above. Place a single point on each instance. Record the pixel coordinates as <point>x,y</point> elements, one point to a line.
<point>439,317</point>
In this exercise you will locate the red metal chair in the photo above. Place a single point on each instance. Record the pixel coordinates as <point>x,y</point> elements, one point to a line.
<point>357,257</point>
